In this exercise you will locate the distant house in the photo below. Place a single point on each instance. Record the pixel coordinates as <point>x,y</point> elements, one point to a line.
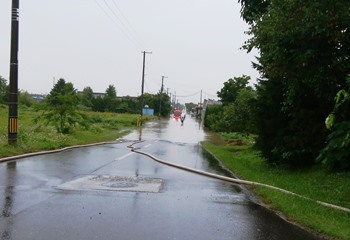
<point>208,103</point>
<point>94,94</point>
<point>38,97</point>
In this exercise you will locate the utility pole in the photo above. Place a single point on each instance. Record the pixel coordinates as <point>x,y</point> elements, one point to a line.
<point>143,81</point>
<point>13,93</point>
<point>160,96</point>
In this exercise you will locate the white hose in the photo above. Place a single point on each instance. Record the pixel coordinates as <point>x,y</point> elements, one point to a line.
<point>234,180</point>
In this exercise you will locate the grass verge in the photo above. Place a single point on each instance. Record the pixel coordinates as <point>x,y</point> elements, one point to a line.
<point>34,137</point>
<point>316,183</point>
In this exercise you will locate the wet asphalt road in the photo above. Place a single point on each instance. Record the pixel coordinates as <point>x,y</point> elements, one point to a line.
<point>35,204</point>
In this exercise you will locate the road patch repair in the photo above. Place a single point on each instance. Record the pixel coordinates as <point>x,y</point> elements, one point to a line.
<point>113,183</point>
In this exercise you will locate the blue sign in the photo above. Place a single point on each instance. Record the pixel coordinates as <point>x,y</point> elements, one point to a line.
<point>148,111</point>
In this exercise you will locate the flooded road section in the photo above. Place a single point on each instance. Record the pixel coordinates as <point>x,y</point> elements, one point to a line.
<point>108,192</point>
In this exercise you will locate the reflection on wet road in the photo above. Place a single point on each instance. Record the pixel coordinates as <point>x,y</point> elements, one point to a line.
<point>59,196</point>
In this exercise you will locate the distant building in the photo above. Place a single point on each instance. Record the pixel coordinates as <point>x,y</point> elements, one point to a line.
<point>38,97</point>
<point>208,103</point>
<point>94,94</point>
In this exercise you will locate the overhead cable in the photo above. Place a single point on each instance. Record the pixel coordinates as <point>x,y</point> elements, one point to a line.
<point>137,36</point>
<point>191,95</point>
<point>120,25</point>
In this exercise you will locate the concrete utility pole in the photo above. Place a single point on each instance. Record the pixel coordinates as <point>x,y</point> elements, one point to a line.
<point>143,82</point>
<point>160,96</point>
<point>13,93</point>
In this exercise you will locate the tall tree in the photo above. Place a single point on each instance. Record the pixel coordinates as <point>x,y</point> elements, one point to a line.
<point>110,99</point>
<point>111,92</point>
<point>239,115</point>
<point>229,92</point>
<point>252,10</point>
<point>87,97</point>
<point>304,61</point>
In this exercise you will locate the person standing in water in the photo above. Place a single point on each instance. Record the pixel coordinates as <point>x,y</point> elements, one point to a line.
<point>182,118</point>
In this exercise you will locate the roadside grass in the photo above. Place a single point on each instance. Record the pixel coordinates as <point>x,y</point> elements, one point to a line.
<point>317,184</point>
<point>34,137</point>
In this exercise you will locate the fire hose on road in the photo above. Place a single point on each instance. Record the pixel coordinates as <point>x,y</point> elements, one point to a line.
<point>232,180</point>
<point>193,170</point>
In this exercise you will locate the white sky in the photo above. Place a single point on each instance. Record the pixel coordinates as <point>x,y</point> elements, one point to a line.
<point>195,43</point>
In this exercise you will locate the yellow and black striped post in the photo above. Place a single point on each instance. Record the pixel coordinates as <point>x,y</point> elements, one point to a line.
<point>13,127</point>
<point>13,93</point>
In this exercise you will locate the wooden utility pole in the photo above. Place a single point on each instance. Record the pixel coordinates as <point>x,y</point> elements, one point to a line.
<point>160,96</point>
<point>13,93</point>
<point>143,82</point>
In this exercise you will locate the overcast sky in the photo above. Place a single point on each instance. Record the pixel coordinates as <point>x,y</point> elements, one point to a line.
<point>95,43</point>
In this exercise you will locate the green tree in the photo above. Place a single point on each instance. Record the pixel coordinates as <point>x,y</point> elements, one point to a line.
<point>87,97</point>
<point>60,108</point>
<point>25,99</point>
<point>98,104</point>
<point>336,153</point>
<point>304,61</point>
<point>213,119</point>
<point>152,101</point>
<point>128,105</point>
<point>110,100</point>
<point>252,10</point>
<point>231,88</point>
<point>4,88</point>
<point>190,106</point>
<point>239,115</point>
<point>165,104</point>
<point>111,92</point>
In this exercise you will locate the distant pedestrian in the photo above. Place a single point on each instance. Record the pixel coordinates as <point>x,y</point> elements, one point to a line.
<point>182,118</point>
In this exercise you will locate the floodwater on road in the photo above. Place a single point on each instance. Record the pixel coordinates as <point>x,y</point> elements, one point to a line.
<point>109,192</point>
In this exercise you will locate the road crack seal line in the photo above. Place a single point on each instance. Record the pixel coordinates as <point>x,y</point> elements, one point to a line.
<point>232,180</point>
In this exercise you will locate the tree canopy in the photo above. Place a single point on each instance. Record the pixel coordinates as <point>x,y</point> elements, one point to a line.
<point>304,61</point>
<point>87,97</point>
<point>230,91</point>
<point>60,107</point>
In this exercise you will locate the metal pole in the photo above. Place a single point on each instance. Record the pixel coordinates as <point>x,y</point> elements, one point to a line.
<point>13,93</point>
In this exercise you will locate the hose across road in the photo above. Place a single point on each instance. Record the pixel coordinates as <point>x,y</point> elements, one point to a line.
<point>232,180</point>
<point>193,170</point>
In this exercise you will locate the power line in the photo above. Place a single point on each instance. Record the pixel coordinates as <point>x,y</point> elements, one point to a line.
<point>121,22</point>
<point>128,23</point>
<point>210,95</point>
<point>191,95</point>
<point>121,27</point>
